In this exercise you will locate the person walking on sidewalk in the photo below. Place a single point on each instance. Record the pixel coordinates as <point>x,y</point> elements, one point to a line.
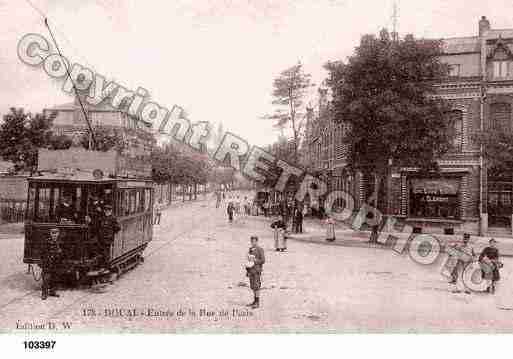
<point>218,198</point>
<point>229,211</point>
<point>330,229</point>
<point>490,264</point>
<point>254,268</point>
<point>158,212</point>
<point>298,219</point>
<point>280,237</point>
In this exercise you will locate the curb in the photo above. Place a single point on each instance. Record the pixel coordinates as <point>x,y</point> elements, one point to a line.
<point>364,244</point>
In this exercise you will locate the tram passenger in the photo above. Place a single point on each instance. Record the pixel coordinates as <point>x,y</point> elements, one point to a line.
<point>50,257</point>
<point>109,226</point>
<point>96,211</point>
<point>65,212</point>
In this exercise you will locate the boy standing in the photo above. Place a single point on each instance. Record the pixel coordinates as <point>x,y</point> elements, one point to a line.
<point>50,255</point>
<point>254,271</point>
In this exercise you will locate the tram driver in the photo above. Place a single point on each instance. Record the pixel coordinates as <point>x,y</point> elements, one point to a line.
<point>65,212</point>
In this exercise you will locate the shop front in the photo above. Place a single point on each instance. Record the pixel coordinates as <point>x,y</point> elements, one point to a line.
<point>431,198</point>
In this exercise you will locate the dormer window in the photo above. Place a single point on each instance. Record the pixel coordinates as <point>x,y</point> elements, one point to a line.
<point>500,68</point>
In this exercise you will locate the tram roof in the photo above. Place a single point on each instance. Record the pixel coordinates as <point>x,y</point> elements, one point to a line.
<point>81,178</point>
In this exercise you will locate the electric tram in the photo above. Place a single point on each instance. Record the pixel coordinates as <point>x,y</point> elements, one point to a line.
<point>78,176</point>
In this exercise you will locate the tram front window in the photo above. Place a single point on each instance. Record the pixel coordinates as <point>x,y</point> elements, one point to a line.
<point>56,203</point>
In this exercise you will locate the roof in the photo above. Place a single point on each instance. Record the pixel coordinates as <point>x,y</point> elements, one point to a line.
<point>495,33</point>
<point>460,45</point>
<point>102,107</point>
<point>78,177</point>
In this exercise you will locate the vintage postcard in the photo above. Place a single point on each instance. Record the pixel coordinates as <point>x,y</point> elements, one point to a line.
<point>287,166</point>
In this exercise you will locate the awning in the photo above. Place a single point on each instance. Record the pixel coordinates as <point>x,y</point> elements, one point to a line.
<point>443,186</point>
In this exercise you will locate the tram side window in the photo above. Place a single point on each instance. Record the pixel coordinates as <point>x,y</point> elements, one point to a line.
<point>133,201</point>
<point>126,203</point>
<point>30,202</point>
<point>137,201</point>
<point>43,204</point>
<point>147,200</point>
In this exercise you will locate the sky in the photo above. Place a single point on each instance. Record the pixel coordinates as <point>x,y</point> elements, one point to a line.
<point>215,58</point>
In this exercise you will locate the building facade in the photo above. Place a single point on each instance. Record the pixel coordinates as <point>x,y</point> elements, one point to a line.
<point>466,194</point>
<point>69,121</point>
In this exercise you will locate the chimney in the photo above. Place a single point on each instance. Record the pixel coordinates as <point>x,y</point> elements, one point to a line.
<point>484,25</point>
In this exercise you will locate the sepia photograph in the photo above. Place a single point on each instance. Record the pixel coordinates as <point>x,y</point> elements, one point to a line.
<point>255,167</point>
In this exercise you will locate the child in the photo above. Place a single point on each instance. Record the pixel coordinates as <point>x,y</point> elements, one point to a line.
<point>330,230</point>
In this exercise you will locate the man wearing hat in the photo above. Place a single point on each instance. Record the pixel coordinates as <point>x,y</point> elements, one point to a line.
<point>50,256</point>
<point>254,268</point>
<point>464,255</point>
<point>109,226</point>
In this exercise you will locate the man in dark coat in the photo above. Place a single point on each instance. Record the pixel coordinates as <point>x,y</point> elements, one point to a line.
<point>65,212</point>
<point>230,210</point>
<point>96,211</point>
<point>298,218</point>
<point>109,226</point>
<point>50,258</point>
<point>254,269</point>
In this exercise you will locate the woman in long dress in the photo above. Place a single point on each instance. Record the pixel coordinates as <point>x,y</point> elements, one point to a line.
<point>280,239</point>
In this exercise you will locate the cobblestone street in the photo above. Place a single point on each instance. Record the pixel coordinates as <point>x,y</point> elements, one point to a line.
<point>193,280</point>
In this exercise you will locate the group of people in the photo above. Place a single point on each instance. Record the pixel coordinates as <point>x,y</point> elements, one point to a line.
<point>488,260</point>
<point>238,207</point>
<point>102,228</point>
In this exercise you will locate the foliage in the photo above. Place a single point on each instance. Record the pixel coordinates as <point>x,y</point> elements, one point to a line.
<point>106,139</point>
<point>222,175</point>
<point>289,91</point>
<point>60,142</point>
<point>175,165</point>
<point>498,149</point>
<point>21,134</point>
<point>384,94</point>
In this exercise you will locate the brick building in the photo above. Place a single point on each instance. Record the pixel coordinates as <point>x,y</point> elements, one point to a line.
<point>70,121</point>
<point>465,195</point>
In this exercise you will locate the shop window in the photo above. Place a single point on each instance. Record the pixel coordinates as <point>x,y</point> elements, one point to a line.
<point>434,198</point>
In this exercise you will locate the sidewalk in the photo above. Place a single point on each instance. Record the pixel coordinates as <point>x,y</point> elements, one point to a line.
<point>314,231</point>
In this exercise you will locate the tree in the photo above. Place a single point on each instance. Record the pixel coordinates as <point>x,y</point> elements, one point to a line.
<point>289,91</point>
<point>384,94</point>
<point>60,142</point>
<point>106,139</point>
<point>498,150</point>
<point>21,134</point>
<point>175,165</point>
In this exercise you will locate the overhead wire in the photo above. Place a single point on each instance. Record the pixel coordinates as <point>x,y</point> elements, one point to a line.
<point>84,112</point>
